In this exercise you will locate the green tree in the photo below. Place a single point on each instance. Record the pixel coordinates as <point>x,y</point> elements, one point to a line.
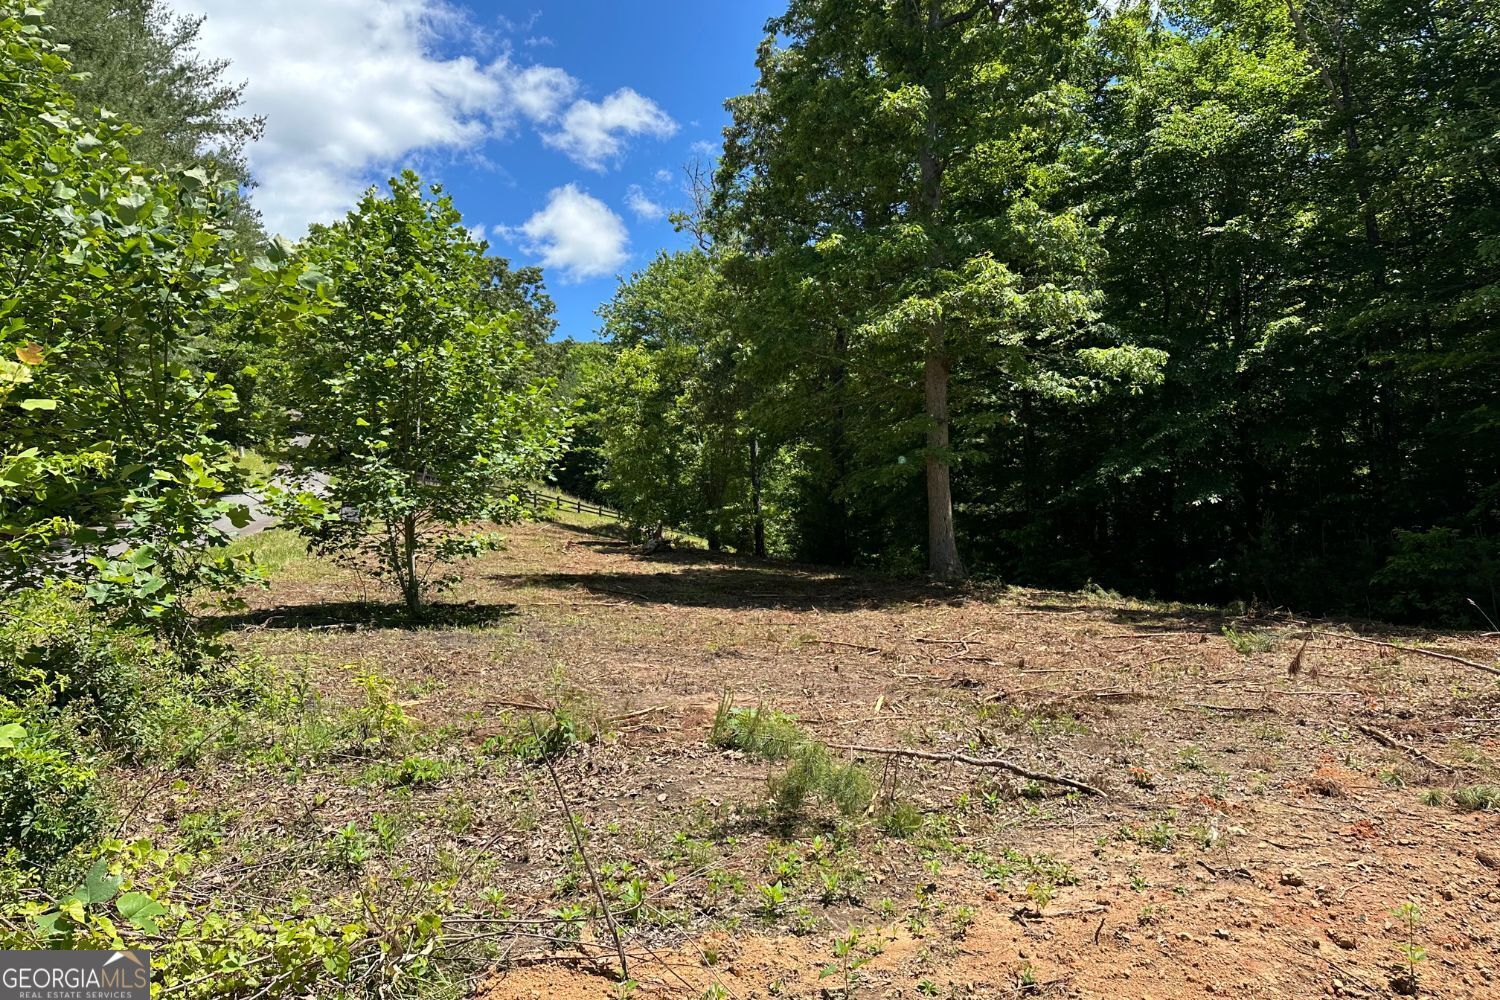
<point>1297,205</point>
<point>111,276</point>
<point>521,293</point>
<point>898,170</point>
<point>139,60</point>
<point>667,413</point>
<point>580,469</point>
<point>420,406</point>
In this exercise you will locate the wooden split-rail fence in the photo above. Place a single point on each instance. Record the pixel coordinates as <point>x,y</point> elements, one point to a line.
<point>540,500</point>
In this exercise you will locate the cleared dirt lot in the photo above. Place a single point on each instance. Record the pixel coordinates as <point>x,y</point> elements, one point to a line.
<point>1253,839</point>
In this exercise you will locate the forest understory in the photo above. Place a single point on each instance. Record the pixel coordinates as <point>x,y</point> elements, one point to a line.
<point>1284,812</point>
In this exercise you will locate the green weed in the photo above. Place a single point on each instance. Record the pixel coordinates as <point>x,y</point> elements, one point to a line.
<point>1248,643</point>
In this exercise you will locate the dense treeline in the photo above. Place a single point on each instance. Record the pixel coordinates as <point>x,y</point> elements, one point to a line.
<point>1194,298</point>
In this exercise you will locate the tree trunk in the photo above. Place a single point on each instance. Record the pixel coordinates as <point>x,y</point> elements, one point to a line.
<point>410,587</point>
<point>760,520</point>
<point>942,547</point>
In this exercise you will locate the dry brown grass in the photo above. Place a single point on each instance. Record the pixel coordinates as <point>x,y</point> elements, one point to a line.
<point>1222,774</point>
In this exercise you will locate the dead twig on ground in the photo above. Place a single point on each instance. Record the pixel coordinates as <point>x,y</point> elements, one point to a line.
<point>1386,740</point>
<point>855,645</point>
<point>962,758</point>
<point>525,706</point>
<point>636,714</point>
<point>1080,911</point>
<point>1412,649</point>
<point>609,917</point>
<point>1233,709</point>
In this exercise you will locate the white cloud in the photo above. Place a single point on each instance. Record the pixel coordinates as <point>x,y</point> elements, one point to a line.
<point>354,89</point>
<point>346,86</point>
<point>663,176</point>
<point>643,206</point>
<point>515,27</point>
<point>577,234</point>
<point>539,92</point>
<point>592,134</point>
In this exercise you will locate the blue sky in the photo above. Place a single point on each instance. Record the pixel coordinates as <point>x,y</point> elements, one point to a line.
<point>561,128</point>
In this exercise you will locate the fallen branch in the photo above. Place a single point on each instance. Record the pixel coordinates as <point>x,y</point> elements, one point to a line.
<point>1386,740</point>
<point>636,714</point>
<point>1413,649</point>
<point>961,758</point>
<point>855,645</point>
<point>1232,709</point>
<point>1044,914</point>
<point>525,706</point>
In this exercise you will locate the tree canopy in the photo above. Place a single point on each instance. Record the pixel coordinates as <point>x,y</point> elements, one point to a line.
<point>138,60</point>
<point>1195,298</point>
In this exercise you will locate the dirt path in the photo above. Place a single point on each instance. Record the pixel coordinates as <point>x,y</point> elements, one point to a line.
<point>1253,842</point>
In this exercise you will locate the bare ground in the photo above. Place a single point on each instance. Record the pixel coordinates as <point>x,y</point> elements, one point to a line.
<point>1252,842</point>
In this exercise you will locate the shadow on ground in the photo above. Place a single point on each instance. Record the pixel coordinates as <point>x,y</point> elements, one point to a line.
<point>702,581</point>
<point>359,614</point>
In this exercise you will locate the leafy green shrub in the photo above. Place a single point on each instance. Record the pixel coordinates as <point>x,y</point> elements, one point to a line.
<point>201,831</point>
<point>564,731</point>
<point>380,721</point>
<point>901,819</point>
<point>1433,574</point>
<point>377,942</point>
<point>51,802</point>
<point>111,274</point>
<point>57,654</point>
<point>415,772</point>
<point>118,687</point>
<point>347,849</point>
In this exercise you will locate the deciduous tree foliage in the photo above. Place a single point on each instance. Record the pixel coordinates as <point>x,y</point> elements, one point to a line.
<point>1299,201</point>
<point>1194,297</point>
<point>665,406</point>
<point>139,60</point>
<point>111,276</point>
<point>419,405</point>
<point>898,180</point>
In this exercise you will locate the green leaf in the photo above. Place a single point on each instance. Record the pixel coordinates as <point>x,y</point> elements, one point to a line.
<point>130,205</point>
<point>99,887</point>
<point>10,733</point>
<point>141,910</point>
<point>38,404</point>
<point>47,922</point>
